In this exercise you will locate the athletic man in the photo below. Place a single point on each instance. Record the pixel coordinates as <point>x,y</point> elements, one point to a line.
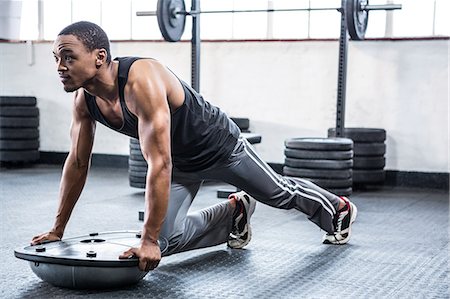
<point>184,140</point>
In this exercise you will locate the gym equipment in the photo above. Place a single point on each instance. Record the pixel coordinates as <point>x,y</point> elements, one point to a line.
<point>327,162</point>
<point>19,129</point>
<point>354,19</point>
<point>369,151</point>
<point>89,261</point>
<point>172,15</point>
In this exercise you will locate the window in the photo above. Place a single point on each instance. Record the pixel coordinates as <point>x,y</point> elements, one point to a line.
<point>43,19</point>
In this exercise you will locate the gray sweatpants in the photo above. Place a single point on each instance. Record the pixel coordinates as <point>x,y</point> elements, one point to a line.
<point>245,170</point>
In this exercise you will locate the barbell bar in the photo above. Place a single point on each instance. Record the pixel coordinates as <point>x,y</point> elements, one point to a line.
<point>172,15</point>
<point>192,13</point>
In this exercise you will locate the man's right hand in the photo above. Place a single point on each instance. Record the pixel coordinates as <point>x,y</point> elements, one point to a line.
<point>45,237</point>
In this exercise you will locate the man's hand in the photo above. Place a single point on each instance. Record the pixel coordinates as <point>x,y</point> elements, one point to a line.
<point>45,237</point>
<point>149,255</point>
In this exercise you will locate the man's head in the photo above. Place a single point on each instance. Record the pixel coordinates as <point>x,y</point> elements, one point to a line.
<point>80,50</point>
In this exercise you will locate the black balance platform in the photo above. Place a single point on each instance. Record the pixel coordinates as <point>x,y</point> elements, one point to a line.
<point>87,262</point>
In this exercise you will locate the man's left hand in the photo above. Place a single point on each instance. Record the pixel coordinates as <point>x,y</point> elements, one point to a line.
<point>149,255</point>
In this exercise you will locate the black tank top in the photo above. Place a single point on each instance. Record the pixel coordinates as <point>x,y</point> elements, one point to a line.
<point>201,134</point>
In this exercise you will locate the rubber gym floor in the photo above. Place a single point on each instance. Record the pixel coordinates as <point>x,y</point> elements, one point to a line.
<point>399,247</point>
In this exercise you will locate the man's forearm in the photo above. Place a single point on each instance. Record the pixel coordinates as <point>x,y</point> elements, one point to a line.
<point>156,201</point>
<point>72,183</point>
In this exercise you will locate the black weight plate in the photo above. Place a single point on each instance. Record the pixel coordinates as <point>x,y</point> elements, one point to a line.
<point>137,184</point>
<point>138,163</point>
<point>318,173</point>
<point>331,183</point>
<point>19,111</point>
<point>10,145</point>
<point>137,157</point>
<point>341,191</point>
<point>252,138</point>
<point>19,156</point>
<point>325,144</point>
<point>137,177</point>
<point>369,149</point>
<point>356,19</point>
<point>242,123</point>
<point>170,23</point>
<point>136,152</point>
<point>135,146</point>
<point>134,141</point>
<point>369,162</point>
<point>137,173</point>
<point>133,168</point>
<point>361,134</point>
<point>19,133</point>
<point>17,101</point>
<point>19,122</point>
<point>319,155</point>
<point>368,176</point>
<point>318,164</point>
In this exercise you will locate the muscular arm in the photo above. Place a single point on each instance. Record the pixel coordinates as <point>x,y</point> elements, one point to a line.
<point>75,167</point>
<point>149,93</point>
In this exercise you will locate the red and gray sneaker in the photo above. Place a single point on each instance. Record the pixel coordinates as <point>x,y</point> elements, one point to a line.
<point>343,224</point>
<point>241,232</point>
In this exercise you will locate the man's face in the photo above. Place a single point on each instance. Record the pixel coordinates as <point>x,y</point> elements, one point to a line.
<point>75,64</point>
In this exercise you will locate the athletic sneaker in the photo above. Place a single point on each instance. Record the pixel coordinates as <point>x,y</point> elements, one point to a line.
<point>241,233</point>
<point>343,224</point>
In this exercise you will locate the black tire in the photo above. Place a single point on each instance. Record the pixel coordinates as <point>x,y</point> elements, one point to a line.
<point>17,101</point>
<point>368,176</point>
<point>341,191</point>
<point>19,156</point>
<point>12,133</point>
<point>331,183</point>
<point>318,164</point>
<point>318,155</point>
<point>315,173</point>
<point>19,111</point>
<point>369,162</point>
<point>321,144</point>
<point>137,163</point>
<point>361,134</point>
<point>369,149</point>
<point>242,123</point>
<point>14,145</point>
<point>19,122</point>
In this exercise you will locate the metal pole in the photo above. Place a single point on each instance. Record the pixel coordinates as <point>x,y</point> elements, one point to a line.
<point>342,74</point>
<point>195,47</point>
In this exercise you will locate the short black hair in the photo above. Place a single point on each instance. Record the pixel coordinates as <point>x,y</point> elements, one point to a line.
<point>91,35</point>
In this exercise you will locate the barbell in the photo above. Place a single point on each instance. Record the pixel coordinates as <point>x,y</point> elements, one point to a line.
<point>172,14</point>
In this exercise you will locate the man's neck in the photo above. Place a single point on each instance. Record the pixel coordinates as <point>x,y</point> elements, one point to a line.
<point>105,84</point>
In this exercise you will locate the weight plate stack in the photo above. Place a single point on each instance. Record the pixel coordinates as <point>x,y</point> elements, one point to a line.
<point>369,154</point>
<point>327,162</point>
<point>19,130</point>
<point>137,166</point>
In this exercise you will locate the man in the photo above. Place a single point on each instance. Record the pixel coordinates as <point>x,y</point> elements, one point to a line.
<point>184,140</point>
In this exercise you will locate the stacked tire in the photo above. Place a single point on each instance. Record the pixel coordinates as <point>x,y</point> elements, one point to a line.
<point>19,129</point>
<point>137,166</point>
<point>369,154</point>
<point>327,162</point>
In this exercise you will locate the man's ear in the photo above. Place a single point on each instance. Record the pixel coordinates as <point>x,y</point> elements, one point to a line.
<point>101,57</point>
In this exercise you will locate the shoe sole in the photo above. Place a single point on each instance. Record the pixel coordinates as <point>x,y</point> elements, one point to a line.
<point>344,241</point>
<point>251,209</point>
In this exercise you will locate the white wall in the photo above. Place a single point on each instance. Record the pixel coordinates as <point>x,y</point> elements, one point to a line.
<point>287,89</point>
